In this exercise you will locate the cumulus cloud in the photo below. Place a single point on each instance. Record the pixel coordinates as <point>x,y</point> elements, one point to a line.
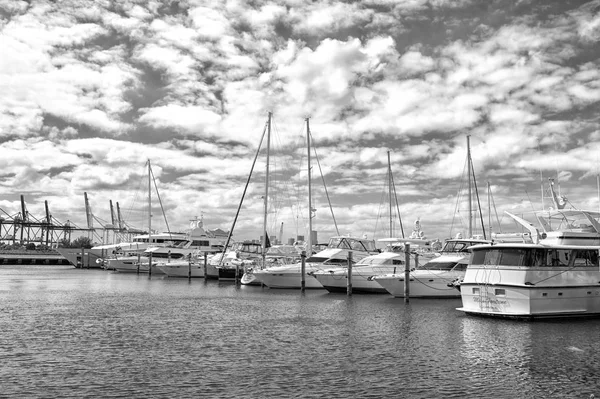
<point>95,88</point>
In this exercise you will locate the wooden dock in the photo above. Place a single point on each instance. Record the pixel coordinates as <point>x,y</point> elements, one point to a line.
<point>32,258</point>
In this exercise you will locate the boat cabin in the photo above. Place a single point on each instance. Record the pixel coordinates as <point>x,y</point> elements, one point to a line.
<point>535,256</point>
<point>352,244</point>
<point>461,245</point>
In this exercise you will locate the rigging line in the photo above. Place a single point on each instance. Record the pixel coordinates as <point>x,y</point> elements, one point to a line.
<point>458,196</point>
<point>495,211</point>
<point>379,212</point>
<point>529,199</point>
<point>243,195</point>
<point>325,186</point>
<point>397,205</point>
<point>444,280</point>
<point>160,202</point>
<point>478,202</point>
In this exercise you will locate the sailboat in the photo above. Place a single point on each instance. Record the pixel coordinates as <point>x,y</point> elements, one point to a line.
<point>433,278</point>
<point>132,263</point>
<point>335,254</point>
<point>231,263</point>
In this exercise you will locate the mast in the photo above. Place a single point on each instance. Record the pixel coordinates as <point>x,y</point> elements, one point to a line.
<point>489,208</point>
<point>390,192</point>
<point>149,203</point>
<point>266,198</point>
<point>310,208</point>
<point>469,180</point>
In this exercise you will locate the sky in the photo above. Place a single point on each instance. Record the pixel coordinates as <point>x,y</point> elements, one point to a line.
<point>93,89</point>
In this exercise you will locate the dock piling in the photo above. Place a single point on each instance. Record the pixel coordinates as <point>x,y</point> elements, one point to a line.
<point>349,280</point>
<point>407,272</point>
<point>303,271</point>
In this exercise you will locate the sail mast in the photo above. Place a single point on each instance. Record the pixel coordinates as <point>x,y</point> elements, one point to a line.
<point>310,208</point>
<point>390,193</point>
<point>266,199</point>
<point>489,190</point>
<point>149,203</point>
<point>469,180</point>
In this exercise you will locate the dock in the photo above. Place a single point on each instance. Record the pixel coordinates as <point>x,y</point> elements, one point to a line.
<point>32,258</point>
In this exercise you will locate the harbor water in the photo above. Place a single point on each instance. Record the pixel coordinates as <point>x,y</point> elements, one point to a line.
<point>77,333</point>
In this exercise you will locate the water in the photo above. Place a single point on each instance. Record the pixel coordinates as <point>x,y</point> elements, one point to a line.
<point>69,332</point>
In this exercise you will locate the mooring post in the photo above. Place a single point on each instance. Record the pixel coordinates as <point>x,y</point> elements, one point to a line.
<point>82,254</point>
<point>205,263</point>
<point>349,281</point>
<point>303,271</point>
<point>150,265</point>
<point>237,270</point>
<point>138,262</point>
<point>169,256</point>
<point>190,267</point>
<point>406,272</point>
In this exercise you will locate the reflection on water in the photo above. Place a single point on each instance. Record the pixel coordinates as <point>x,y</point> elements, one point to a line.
<point>90,333</point>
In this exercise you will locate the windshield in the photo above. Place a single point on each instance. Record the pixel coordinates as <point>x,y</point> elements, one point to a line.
<point>352,244</point>
<point>373,260</point>
<point>438,265</point>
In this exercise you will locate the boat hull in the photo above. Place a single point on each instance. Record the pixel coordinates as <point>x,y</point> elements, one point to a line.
<point>286,279</point>
<point>339,283</point>
<point>86,259</point>
<point>427,284</point>
<point>227,273</point>
<point>182,270</point>
<point>530,302</point>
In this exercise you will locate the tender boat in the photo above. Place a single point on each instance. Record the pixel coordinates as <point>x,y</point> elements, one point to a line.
<point>554,273</point>
<point>336,254</point>
<point>434,279</point>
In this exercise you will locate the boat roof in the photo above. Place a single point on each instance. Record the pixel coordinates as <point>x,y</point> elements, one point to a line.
<point>534,246</point>
<point>385,255</point>
<point>352,238</point>
<point>568,213</point>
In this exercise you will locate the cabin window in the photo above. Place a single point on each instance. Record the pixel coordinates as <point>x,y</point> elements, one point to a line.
<point>438,265</point>
<point>558,257</point>
<point>316,259</point>
<point>460,267</point>
<point>334,261</point>
<point>492,257</point>
<point>200,243</point>
<point>397,262</point>
<point>500,292</point>
<point>585,258</point>
<point>475,290</point>
<point>513,257</point>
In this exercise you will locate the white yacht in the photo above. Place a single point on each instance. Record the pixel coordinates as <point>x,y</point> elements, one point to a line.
<point>95,257</point>
<point>336,279</point>
<point>336,254</point>
<point>553,273</point>
<point>433,278</point>
<point>277,255</point>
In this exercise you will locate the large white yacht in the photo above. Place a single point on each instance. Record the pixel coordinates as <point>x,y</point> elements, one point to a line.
<point>553,273</point>
<point>95,257</point>
<point>167,257</point>
<point>433,278</point>
<point>336,254</point>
